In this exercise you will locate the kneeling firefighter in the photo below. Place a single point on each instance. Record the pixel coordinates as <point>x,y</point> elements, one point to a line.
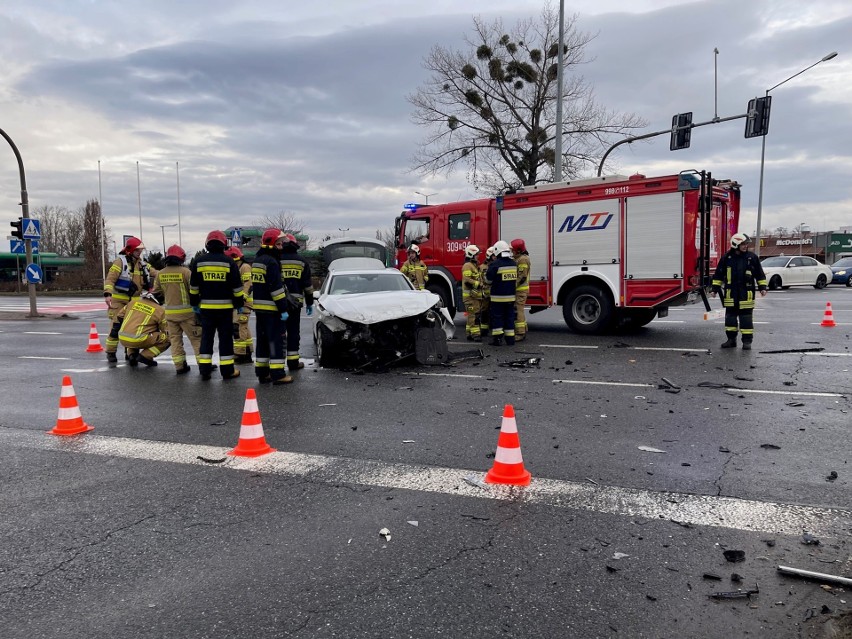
<point>144,329</point>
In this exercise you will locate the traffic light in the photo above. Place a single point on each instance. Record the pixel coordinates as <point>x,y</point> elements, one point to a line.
<point>18,233</point>
<point>681,131</point>
<point>757,120</point>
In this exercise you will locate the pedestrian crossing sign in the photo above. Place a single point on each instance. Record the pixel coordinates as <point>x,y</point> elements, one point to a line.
<point>31,229</point>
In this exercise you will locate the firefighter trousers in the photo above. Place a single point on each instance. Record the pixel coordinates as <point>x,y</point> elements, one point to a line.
<point>503,320</point>
<point>473,307</point>
<point>293,337</point>
<point>745,316</point>
<point>150,347</point>
<point>242,333</point>
<point>520,316</point>
<point>115,313</point>
<point>269,351</point>
<point>177,329</point>
<point>216,323</point>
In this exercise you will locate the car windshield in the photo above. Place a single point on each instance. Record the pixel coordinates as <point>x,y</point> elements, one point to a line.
<point>775,261</point>
<point>344,284</point>
<point>843,262</point>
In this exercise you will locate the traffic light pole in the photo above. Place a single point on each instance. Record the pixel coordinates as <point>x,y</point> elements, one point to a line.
<point>25,212</point>
<point>632,139</point>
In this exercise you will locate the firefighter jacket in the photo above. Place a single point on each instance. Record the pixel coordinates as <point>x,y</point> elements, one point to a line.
<point>486,285</point>
<point>737,276</point>
<point>471,280</point>
<point>172,283</point>
<point>296,275</point>
<point>128,278</point>
<point>503,276</point>
<point>268,291</point>
<point>523,261</point>
<point>142,318</point>
<point>417,272</point>
<point>215,283</point>
<point>245,276</point>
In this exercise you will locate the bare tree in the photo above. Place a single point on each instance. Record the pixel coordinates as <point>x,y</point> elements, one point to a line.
<point>493,109</point>
<point>285,221</point>
<point>387,238</point>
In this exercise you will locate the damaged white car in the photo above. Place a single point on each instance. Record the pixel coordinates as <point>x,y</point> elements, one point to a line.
<point>370,316</point>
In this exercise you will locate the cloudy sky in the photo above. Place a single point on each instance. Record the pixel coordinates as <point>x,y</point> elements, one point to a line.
<point>269,106</point>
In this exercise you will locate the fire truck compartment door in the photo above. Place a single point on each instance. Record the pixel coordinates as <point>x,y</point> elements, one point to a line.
<point>653,236</point>
<point>586,232</point>
<point>530,225</point>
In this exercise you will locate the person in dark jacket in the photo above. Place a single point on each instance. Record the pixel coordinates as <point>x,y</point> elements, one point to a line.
<point>296,275</point>
<point>737,277</point>
<point>502,275</point>
<point>269,296</point>
<point>215,290</point>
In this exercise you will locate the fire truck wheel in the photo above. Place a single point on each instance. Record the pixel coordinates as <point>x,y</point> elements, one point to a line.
<point>441,291</point>
<point>588,309</point>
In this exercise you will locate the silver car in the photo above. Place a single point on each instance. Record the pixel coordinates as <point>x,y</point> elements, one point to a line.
<point>784,271</point>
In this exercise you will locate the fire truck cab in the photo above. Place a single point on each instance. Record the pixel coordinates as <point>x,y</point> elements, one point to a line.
<point>610,250</point>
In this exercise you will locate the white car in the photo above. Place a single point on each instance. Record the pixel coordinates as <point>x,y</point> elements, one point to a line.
<point>784,271</point>
<point>367,315</point>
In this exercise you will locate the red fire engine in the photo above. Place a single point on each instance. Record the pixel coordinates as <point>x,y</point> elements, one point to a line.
<point>609,250</point>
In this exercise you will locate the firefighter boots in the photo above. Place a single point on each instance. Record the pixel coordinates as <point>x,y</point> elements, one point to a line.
<point>243,358</point>
<point>144,360</point>
<point>296,366</point>
<point>731,343</point>
<point>497,340</point>
<point>184,369</point>
<point>233,375</point>
<point>112,358</point>
<point>284,380</point>
<point>746,346</point>
<point>132,359</point>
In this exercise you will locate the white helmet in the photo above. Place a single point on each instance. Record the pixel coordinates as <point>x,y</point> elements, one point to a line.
<point>472,250</point>
<point>414,248</point>
<point>501,247</point>
<point>489,252</point>
<point>739,238</point>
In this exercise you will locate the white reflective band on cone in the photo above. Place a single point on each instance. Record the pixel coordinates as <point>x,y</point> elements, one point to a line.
<point>509,425</point>
<point>251,432</point>
<point>251,406</point>
<point>67,391</point>
<point>70,413</point>
<point>509,456</point>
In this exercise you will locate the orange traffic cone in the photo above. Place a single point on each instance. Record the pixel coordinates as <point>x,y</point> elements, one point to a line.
<point>252,443</point>
<point>69,421</point>
<point>828,316</point>
<point>508,465</point>
<point>94,342</point>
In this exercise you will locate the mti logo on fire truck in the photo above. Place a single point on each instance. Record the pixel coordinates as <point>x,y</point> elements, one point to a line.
<point>581,224</point>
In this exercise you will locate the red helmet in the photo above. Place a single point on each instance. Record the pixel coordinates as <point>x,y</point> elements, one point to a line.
<point>519,246</point>
<point>291,239</point>
<point>270,236</point>
<point>216,236</point>
<point>234,253</point>
<point>132,244</point>
<point>175,251</point>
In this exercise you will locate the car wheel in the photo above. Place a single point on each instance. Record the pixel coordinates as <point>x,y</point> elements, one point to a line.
<point>588,309</point>
<point>849,281</point>
<point>326,343</point>
<point>821,282</point>
<point>441,291</point>
<point>775,283</point>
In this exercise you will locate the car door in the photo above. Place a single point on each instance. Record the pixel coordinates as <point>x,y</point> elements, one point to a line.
<point>810,270</point>
<point>797,271</point>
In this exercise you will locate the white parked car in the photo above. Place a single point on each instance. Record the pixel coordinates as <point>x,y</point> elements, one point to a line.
<point>367,315</point>
<point>784,271</point>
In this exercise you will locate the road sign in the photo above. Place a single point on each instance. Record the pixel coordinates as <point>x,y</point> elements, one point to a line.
<point>32,229</point>
<point>34,274</point>
<point>236,238</point>
<point>18,247</point>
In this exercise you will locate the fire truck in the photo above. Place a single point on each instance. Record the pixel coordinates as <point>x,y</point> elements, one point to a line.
<point>611,251</point>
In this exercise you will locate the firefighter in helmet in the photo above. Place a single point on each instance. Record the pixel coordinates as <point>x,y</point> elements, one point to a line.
<point>144,329</point>
<point>172,285</point>
<point>414,268</point>
<point>215,290</point>
<point>484,322</point>
<point>503,275</point>
<point>129,276</point>
<point>242,330</point>
<point>270,309</point>
<point>472,292</point>
<point>522,290</point>
<point>737,277</point>
<point>296,275</point>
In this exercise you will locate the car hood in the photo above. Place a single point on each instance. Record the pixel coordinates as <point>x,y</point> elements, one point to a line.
<point>372,308</point>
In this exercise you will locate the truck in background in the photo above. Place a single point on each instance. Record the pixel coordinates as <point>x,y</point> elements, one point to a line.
<point>610,250</point>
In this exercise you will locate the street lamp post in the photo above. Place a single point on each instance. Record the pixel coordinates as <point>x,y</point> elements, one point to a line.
<point>426,195</point>
<point>163,228</point>
<point>825,58</point>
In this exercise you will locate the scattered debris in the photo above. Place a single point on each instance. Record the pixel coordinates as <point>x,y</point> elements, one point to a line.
<point>713,385</point>
<point>408,441</point>
<point>737,594</point>
<point>321,405</point>
<point>794,350</point>
<point>457,357</point>
<point>404,388</point>
<point>413,523</point>
<point>734,556</point>
<point>384,532</point>
<point>475,481</point>
<point>670,383</point>
<point>831,476</point>
<point>722,449</point>
<point>220,423</point>
<point>736,577</point>
<point>795,404</point>
<point>207,460</point>
<point>650,449</point>
<point>640,397</point>
<point>807,574</point>
<point>527,362</point>
<point>711,576</point>
<point>620,555</point>
<point>744,379</point>
<point>611,569</point>
<point>476,517</point>
<point>769,542</point>
<point>809,540</point>
<point>770,447</point>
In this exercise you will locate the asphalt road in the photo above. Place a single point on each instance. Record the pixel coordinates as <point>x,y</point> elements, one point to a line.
<point>125,532</point>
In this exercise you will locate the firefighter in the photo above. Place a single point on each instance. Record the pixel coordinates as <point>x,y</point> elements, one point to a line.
<point>522,290</point>
<point>144,329</point>
<point>414,268</point>
<point>129,276</point>
<point>172,285</point>
<point>502,275</point>
<point>296,275</point>
<point>215,290</point>
<point>738,274</point>
<point>486,293</point>
<point>472,292</point>
<point>270,309</point>
<point>242,330</point>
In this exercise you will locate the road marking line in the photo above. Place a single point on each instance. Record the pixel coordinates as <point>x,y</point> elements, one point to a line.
<point>409,373</point>
<point>836,324</point>
<point>662,321</point>
<point>699,510</point>
<point>661,348</point>
<point>41,333</point>
<point>831,354</point>
<point>773,392</point>
<point>578,381</point>
<point>37,357</point>
<point>566,346</point>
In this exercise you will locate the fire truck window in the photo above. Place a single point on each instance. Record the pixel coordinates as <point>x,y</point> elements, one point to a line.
<point>416,231</point>
<point>460,226</point>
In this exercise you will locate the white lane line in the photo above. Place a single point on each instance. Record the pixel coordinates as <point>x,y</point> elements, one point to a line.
<point>41,333</point>
<point>578,381</point>
<point>37,357</point>
<point>662,321</point>
<point>831,354</point>
<point>836,324</point>
<point>793,393</point>
<point>566,346</point>
<point>678,350</point>
<point>700,510</point>
<point>415,373</point>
